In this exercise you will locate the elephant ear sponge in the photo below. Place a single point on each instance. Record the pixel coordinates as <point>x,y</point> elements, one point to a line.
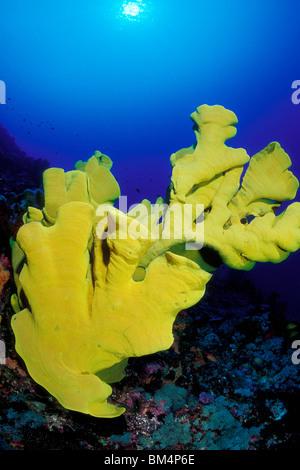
<point>79,313</point>
<point>90,295</point>
<point>90,182</point>
<point>240,225</point>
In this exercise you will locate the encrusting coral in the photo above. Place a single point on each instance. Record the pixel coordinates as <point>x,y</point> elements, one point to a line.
<point>4,271</point>
<point>89,295</point>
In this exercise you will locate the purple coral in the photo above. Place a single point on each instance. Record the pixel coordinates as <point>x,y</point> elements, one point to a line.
<point>206,398</point>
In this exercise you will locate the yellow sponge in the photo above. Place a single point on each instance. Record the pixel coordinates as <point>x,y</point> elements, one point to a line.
<point>90,295</point>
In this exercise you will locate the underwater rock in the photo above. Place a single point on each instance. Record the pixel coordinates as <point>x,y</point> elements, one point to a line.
<point>18,170</point>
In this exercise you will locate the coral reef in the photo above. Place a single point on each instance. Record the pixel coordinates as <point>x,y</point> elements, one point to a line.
<point>4,271</point>
<point>88,298</point>
<point>174,400</point>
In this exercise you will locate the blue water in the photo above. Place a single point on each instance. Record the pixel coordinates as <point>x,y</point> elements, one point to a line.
<point>123,77</point>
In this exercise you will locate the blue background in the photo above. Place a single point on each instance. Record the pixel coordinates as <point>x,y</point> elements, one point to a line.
<point>83,76</point>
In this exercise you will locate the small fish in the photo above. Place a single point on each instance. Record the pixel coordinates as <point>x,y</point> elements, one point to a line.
<point>291,326</point>
<point>210,357</point>
<point>270,334</point>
